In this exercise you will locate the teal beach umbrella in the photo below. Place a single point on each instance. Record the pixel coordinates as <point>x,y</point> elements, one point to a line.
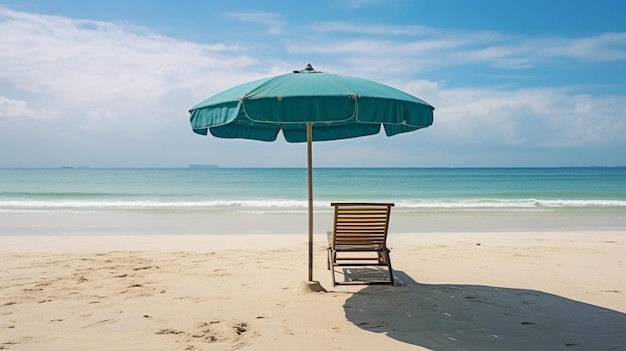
<point>309,105</point>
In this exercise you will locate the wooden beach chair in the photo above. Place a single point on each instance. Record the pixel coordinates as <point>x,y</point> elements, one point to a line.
<point>359,238</point>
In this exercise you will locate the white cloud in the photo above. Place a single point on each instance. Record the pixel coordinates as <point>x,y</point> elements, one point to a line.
<point>447,47</point>
<point>87,71</point>
<point>371,29</point>
<point>553,118</point>
<point>17,111</point>
<point>88,86</point>
<point>598,48</point>
<point>10,108</point>
<point>272,21</point>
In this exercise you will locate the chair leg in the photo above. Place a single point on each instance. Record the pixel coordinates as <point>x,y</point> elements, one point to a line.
<point>328,258</point>
<point>388,261</point>
<point>331,264</point>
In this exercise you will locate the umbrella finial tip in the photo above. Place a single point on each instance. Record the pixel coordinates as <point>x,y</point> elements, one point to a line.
<point>307,69</point>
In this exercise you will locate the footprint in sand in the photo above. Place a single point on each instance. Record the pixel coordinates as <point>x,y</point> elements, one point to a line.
<point>235,332</point>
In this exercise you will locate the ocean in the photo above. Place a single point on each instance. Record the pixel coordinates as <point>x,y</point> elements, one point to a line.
<point>251,200</point>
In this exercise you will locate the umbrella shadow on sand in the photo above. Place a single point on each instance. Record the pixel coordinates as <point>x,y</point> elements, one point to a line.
<point>475,317</point>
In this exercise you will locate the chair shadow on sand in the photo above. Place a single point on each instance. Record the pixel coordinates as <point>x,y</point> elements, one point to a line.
<point>474,317</point>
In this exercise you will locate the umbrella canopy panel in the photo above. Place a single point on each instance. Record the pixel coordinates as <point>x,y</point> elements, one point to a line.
<point>339,107</point>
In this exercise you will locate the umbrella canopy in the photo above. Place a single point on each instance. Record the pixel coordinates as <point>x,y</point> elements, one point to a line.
<point>309,105</point>
<point>339,107</point>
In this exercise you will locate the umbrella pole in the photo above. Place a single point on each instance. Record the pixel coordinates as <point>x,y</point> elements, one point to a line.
<point>309,150</point>
<point>311,285</point>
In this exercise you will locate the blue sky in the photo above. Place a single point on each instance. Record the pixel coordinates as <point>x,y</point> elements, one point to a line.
<point>514,83</point>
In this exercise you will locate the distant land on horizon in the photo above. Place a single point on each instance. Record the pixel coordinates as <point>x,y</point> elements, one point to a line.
<point>202,166</point>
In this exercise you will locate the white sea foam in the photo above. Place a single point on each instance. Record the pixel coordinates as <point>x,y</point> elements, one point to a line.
<point>510,203</point>
<point>262,206</point>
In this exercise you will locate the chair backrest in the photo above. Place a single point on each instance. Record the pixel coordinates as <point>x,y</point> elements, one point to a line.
<point>360,223</point>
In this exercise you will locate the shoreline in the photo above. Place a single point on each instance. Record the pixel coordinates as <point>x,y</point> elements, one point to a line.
<point>164,222</point>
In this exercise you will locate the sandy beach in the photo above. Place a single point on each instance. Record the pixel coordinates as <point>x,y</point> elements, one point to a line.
<point>454,291</point>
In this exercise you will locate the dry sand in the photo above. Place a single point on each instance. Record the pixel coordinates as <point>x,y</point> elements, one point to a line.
<point>455,291</point>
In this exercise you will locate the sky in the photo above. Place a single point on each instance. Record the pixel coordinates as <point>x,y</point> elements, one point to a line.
<point>514,83</point>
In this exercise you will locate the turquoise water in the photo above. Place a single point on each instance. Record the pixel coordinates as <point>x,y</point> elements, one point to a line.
<point>284,189</point>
